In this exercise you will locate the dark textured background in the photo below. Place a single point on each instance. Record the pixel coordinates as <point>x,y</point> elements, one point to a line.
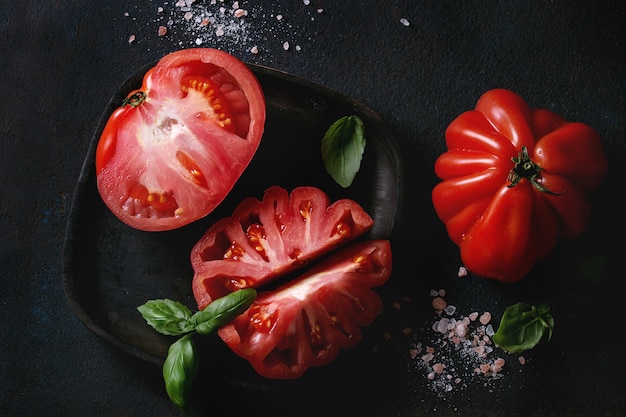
<point>61,61</point>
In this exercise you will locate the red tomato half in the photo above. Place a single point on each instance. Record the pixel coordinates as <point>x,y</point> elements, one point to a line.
<point>265,239</point>
<point>308,321</point>
<point>176,147</point>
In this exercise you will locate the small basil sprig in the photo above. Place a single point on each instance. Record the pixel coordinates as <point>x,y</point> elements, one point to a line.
<point>523,326</point>
<point>343,146</point>
<point>175,319</point>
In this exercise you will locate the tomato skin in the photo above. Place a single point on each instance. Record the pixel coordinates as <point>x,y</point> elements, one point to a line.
<point>309,320</point>
<point>502,228</point>
<point>230,256</point>
<point>184,138</point>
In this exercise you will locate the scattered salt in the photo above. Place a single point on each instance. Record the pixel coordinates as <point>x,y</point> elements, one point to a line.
<point>461,349</point>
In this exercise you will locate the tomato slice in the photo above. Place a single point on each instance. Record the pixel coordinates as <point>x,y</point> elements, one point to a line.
<point>307,321</point>
<point>176,147</point>
<point>266,239</point>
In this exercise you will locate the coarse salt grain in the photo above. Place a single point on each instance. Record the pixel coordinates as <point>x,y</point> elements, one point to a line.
<point>439,303</point>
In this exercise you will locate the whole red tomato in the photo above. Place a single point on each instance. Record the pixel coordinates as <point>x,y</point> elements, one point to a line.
<point>515,180</point>
<point>175,148</point>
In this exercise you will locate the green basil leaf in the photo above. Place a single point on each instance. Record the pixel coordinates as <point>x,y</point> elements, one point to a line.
<point>179,369</point>
<point>167,316</point>
<point>343,146</point>
<point>222,310</point>
<point>523,326</point>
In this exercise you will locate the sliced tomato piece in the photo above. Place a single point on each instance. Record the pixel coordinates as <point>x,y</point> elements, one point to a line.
<point>266,239</point>
<point>175,148</point>
<point>306,322</point>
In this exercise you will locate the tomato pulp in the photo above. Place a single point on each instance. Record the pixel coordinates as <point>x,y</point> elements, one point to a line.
<point>306,320</point>
<point>176,147</point>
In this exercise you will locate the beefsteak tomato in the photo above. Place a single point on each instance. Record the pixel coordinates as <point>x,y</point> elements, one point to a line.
<point>305,321</point>
<point>175,148</point>
<point>514,180</point>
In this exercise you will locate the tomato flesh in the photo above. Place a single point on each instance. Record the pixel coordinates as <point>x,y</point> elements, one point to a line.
<point>265,239</point>
<point>175,148</point>
<point>308,319</point>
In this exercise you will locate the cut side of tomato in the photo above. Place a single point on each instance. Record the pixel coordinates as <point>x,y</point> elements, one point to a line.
<point>321,278</point>
<point>176,147</point>
<point>265,239</point>
<point>306,322</point>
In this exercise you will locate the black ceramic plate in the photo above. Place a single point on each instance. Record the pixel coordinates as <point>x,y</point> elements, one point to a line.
<point>110,268</point>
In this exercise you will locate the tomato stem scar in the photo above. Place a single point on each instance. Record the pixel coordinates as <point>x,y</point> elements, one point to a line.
<point>135,99</point>
<point>525,168</point>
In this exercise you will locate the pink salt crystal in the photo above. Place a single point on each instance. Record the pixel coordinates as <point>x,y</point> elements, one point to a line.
<point>439,303</point>
<point>460,329</point>
<point>438,368</point>
<point>428,357</point>
<point>485,318</point>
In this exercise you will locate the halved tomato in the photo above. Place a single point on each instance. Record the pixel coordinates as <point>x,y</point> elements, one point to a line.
<point>308,321</point>
<point>265,239</point>
<point>175,148</point>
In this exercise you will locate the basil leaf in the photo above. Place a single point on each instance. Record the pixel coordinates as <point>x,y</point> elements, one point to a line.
<point>167,316</point>
<point>223,310</point>
<point>179,369</point>
<point>343,146</point>
<point>522,327</point>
